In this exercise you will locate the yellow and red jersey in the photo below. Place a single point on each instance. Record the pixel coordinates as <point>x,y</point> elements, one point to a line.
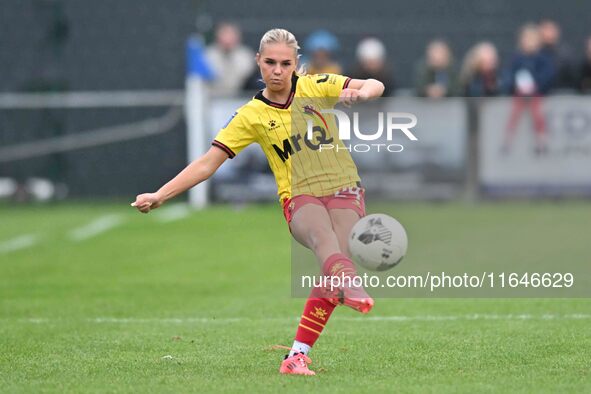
<point>298,163</point>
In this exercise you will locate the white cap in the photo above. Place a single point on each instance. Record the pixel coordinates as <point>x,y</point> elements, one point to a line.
<point>371,49</point>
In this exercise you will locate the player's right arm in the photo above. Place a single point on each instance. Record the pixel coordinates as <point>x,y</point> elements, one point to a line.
<point>198,171</point>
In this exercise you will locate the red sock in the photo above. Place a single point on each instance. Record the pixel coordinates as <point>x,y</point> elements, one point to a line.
<point>338,264</point>
<point>316,314</point>
<point>318,309</point>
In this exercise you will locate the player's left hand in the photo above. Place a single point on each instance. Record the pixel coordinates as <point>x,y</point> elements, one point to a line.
<point>349,96</point>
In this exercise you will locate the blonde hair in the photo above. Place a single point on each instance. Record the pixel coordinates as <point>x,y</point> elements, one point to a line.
<point>282,36</point>
<point>472,61</point>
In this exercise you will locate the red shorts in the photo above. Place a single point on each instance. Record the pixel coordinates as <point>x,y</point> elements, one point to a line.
<point>345,198</point>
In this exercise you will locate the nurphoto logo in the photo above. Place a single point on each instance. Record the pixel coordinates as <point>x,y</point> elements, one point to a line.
<point>395,121</point>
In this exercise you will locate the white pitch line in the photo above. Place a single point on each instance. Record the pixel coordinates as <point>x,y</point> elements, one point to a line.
<point>18,243</point>
<point>96,227</point>
<point>165,320</point>
<point>209,320</point>
<point>476,316</point>
<point>172,213</point>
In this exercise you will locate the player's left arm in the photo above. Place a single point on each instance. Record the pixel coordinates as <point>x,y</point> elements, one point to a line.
<point>361,90</point>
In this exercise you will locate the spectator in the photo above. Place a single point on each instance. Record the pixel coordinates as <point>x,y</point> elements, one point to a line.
<point>558,53</point>
<point>585,74</point>
<point>479,76</point>
<point>231,62</point>
<point>435,76</point>
<point>530,77</point>
<point>372,63</point>
<point>321,47</point>
<point>530,73</point>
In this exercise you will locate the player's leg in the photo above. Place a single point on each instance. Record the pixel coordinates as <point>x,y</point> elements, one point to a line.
<point>311,225</point>
<point>345,208</point>
<point>343,221</point>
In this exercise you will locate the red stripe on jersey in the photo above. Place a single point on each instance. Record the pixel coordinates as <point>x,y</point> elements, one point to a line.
<point>346,84</point>
<point>319,115</point>
<point>223,147</point>
<point>289,100</point>
<point>294,82</point>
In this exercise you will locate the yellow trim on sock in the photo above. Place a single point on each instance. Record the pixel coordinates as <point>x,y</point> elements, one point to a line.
<point>308,328</point>
<point>313,321</point>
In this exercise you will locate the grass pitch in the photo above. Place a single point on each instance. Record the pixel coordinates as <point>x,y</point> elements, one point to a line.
<point>98,298</point>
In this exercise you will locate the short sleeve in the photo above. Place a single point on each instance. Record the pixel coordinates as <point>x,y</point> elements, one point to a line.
<point>332,85</point>
<point>234,136</point>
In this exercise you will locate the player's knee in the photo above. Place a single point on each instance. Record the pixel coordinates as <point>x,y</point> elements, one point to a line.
<point>322,238</point>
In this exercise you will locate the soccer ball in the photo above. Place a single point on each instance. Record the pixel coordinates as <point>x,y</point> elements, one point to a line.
<point>378,242</point>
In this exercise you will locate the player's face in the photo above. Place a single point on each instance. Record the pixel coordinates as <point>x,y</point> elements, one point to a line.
<point>277,63</point>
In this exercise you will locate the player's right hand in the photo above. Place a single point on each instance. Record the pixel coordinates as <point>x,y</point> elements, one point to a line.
<point>349,97</point>
<point>146,202</point>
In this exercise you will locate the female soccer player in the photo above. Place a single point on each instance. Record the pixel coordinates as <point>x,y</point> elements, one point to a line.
<point>319,188</point>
